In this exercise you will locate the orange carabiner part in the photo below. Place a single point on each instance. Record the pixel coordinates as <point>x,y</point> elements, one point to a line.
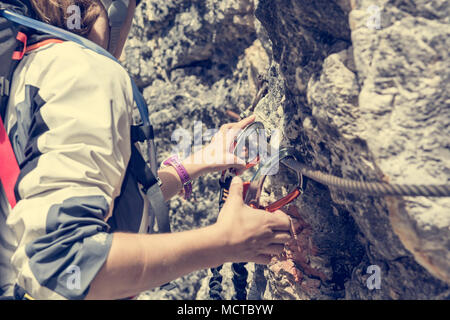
<point>283,201</point>
<point>254,188</point>
<point>277,204</point>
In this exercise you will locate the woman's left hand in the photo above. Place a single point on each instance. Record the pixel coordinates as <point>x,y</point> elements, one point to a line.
<point>218,155</point>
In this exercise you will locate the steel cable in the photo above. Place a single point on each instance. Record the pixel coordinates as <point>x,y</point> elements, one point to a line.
<point>371,188</point>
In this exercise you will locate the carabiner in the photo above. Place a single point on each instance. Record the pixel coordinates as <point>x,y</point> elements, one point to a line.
<point>252,191</point>
<point>254,130</point>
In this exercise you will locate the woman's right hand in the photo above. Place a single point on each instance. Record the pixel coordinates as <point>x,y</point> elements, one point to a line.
<point>251,235</point>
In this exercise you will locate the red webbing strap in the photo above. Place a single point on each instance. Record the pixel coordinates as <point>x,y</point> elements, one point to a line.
<point>42,43</point>
<point>18,55</point>
<point>9,169</point>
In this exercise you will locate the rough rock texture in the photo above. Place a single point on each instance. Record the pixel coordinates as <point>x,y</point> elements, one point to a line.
<point>360,88</point>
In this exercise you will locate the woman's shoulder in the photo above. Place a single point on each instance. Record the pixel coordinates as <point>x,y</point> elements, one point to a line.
<point>65,67</point>
<point>70,60</point>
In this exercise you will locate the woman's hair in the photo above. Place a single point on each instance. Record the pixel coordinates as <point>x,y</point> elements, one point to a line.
<point>58,13</point>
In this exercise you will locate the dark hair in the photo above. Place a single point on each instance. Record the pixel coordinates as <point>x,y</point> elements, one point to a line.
<point>55,12</point>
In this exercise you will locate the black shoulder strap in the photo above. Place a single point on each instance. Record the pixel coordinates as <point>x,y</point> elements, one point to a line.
<point>150,186</point>
<point>140,170</point>
<point>8,45</point>
<point>141,133</point>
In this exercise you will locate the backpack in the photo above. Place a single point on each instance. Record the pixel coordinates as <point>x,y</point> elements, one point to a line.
<point>18,28</point>
<point>9,32</point>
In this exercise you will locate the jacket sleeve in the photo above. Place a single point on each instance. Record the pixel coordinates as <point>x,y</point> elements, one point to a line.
<point>72,140</point>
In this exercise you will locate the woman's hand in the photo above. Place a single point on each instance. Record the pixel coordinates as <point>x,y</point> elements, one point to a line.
<point>217,155</point>
<point>251,235</point>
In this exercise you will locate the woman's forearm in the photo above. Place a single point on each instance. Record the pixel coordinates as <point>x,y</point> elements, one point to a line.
<point>171,182</point>
<point>138,262</point>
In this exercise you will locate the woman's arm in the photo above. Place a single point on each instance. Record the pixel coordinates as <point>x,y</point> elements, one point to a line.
<point>139,262</point>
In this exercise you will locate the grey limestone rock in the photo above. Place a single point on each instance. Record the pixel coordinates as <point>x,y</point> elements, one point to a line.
<point>360,88</point>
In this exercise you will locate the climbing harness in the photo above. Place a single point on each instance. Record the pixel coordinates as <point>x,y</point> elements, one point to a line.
<point>244,146</point>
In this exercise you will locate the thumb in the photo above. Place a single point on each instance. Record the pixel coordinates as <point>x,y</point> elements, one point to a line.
<point>236,190</point>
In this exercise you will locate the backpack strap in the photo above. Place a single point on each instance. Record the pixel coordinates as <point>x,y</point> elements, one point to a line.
<point>9,44</point>
<point>151,187</point>
<point>141,133</point>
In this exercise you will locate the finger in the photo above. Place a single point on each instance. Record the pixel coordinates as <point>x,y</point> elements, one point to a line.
<point>226,127</point>
<point>231,132</point>
<point>263,259</point>
<point>279,221</point>
<point>246,121</point>
<point>236,190</point>
<point>281,237</point>
<point>273,249</point>
<point>239,162</point>
<point>233,129</point>
<point>229,135</point>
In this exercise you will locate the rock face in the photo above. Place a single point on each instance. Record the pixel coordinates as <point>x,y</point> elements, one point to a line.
<point>359,88</point>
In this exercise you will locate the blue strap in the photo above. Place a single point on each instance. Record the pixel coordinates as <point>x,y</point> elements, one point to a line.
<point>69,36</point>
